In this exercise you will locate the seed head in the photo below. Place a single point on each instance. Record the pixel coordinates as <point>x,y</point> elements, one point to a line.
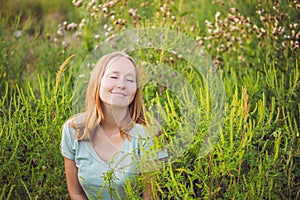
<point>77,3</point>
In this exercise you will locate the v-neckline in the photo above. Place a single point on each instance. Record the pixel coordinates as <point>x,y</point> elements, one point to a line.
<point>98,158</point>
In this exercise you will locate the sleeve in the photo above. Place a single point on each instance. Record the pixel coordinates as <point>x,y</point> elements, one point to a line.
<point>67,144</point>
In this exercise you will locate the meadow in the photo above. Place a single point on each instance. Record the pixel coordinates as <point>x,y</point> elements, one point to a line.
<point>253,45</point>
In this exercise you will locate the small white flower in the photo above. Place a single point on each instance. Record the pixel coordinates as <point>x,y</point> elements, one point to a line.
<point>17,33</point>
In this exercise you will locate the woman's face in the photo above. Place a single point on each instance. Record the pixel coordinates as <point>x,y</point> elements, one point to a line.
<point>119,83</point>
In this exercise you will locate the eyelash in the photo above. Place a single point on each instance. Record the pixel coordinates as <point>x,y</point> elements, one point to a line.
<point>115,77</point>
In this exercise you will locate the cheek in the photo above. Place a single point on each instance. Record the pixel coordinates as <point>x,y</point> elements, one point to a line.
<point>104,88</point>
<point>106,84</point>
<point>133,90</point>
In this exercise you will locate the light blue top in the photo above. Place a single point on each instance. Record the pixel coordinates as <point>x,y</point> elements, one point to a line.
<point>121,170</point>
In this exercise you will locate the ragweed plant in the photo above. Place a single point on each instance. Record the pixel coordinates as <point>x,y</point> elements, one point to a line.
<point>255,48</point>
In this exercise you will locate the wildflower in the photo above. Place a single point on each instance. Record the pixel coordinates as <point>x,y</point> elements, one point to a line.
<point>105,26</point>
<point>281,30</point>
<point>171,59</point>
<point>274,31</point>
<point>89,65</point>
<point>94,15</point>
<point>78,34</point>
<point>64,44</point>
<point>233,10</point>
<point>255,27</point>
<point>263,30</point>
<point>296,45</point>
<point>293,33</point>
<point>145,4</point>
<point>17,33</point>
<point>120,22</point>
<point>217,16</point>
<point>293,26</point>
<point>77,3</point>
<point>112,3</point>
<point>72,26</point>
<point>59,32</point>
<point>96,8</point>
<point>105,10</point>
<point>297,4</point>
<point>262,18</point>
<point>163,8</point>
<point>132,12</point>
<point>81,25</point>
<point>97,46</point>
<point>91,3</point>
<point>208,38</point>
<point>192,29</point>
<point>110,28</point>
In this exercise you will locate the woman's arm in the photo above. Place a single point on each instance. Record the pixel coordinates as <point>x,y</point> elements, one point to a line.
<point>75,190</point>
<point>147,192</point>
<point>148,179</point>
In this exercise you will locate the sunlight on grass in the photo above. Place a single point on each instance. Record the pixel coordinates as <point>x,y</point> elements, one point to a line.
<point>254,47</point>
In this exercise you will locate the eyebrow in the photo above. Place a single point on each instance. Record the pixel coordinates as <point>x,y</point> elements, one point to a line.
<point>117,72</point>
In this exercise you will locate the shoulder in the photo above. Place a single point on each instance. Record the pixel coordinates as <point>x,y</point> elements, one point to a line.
<point>67,129</point>
<point>74,123</point>
<point>76,120</point>
<point>71,125</point>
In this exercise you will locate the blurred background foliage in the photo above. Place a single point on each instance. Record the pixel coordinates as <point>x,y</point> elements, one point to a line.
<point>254,45</point>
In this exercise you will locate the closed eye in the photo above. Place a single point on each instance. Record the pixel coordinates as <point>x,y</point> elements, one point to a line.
<point>113,77</point>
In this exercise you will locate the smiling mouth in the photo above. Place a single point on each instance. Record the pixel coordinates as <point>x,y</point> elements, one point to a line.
<point>119,94</point>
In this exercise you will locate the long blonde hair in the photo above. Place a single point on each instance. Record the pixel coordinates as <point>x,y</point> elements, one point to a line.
<point>86,124</point>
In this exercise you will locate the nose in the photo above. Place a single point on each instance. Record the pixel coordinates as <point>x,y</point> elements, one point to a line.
<point>121,83</point>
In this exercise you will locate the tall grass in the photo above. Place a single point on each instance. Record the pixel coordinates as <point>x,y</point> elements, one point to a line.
<point>257,155</point>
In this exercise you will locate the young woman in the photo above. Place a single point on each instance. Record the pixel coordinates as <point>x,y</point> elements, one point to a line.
<point>102,146</point>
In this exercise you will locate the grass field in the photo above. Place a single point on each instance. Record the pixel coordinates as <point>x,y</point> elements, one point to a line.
<point>254,47</point>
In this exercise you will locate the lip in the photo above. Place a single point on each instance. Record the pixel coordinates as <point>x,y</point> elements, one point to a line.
<point>119,94</point>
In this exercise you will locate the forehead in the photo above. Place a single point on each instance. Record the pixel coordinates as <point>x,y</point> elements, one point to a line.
<point>120,65</point>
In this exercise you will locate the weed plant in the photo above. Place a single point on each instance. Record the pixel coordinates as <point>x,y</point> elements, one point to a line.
<point>255,48</point>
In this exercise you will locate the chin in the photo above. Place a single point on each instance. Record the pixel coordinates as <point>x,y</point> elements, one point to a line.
<point>120,103</point>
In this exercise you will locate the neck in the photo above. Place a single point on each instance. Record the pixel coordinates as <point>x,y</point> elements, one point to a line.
<point>113,117</point>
